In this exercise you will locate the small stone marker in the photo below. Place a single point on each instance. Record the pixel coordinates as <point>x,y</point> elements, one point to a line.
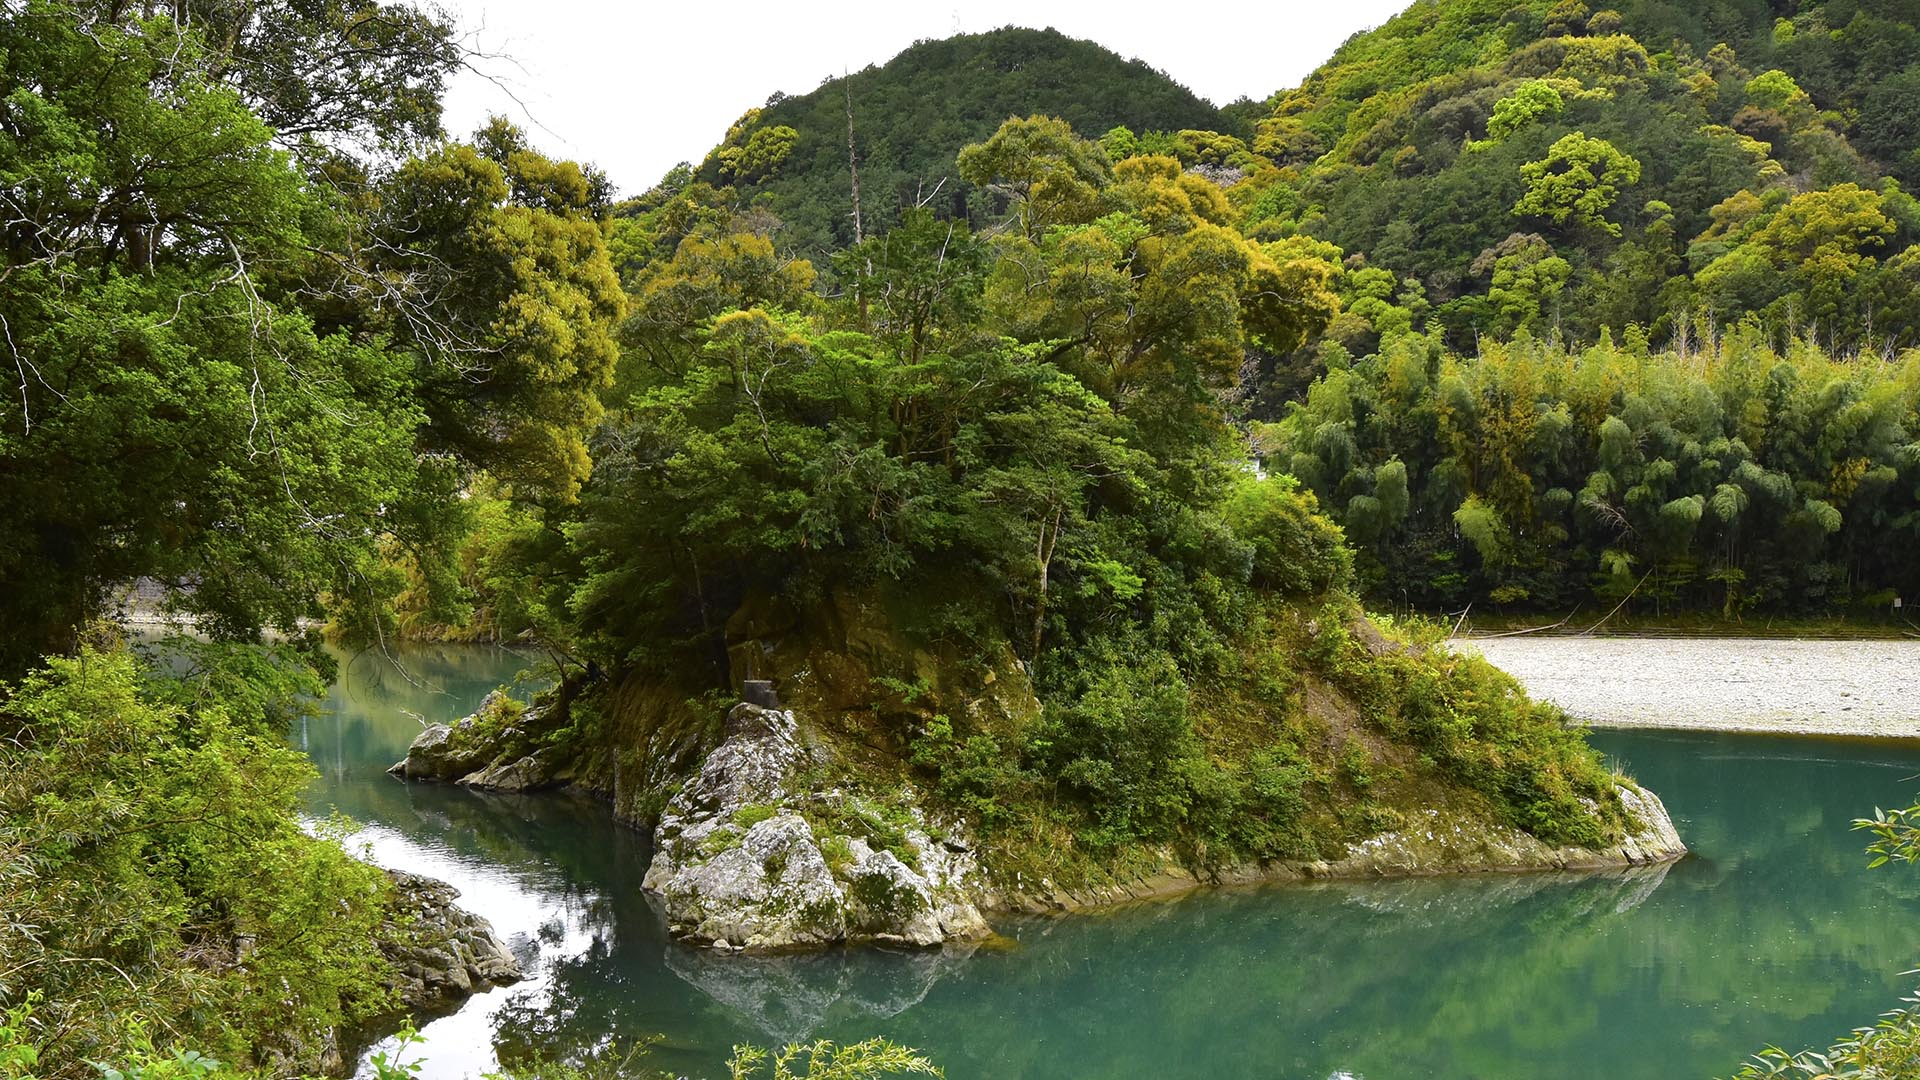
<point>760,692</point>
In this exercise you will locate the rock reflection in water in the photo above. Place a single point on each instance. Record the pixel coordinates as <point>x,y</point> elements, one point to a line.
<point>1580,895</point>
<point>791,998</point>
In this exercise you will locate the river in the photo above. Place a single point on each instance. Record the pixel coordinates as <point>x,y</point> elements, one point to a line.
<point>1773,931</point>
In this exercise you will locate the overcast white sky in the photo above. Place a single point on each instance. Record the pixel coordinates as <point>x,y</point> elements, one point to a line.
<point>636,87</point>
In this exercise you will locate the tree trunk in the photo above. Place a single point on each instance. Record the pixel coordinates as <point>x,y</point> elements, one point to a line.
<point>1049,537</point>
<point>853,167</point>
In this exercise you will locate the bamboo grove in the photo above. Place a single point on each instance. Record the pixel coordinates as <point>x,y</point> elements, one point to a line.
<point>1732,478</point>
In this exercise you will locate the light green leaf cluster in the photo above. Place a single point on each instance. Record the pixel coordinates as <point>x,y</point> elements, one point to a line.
<point>1577,182</point>
<point>823,1060</point>
<point>1532,101</point>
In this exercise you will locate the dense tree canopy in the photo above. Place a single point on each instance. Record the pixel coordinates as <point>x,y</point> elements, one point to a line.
<point>234,370</point>
<point>996,397</point>
<point>1645,150</point>
<point>1623,138</point>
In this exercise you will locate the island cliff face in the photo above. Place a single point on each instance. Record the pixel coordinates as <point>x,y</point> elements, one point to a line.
<point>800,820</point>
<point>746,857</point>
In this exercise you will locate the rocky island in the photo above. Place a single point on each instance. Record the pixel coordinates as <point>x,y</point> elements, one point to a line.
<point>791,823</point>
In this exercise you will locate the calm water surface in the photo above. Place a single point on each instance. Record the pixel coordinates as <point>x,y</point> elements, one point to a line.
<point>1773,931</point>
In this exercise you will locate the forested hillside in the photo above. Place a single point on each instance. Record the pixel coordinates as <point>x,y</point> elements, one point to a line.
<point>1713,196</point>
<point>1540,166</point>
<point>1550,168</point>
<point>912,114</point>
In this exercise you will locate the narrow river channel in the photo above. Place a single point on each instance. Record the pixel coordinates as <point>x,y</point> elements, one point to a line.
<point>1773,931</point>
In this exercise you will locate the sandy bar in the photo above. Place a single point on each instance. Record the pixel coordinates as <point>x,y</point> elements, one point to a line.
<point>1785,686</point>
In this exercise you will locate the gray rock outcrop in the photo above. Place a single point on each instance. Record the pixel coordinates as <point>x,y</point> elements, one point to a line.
<point>441,953</point>
<point>493,748</point>
<point>1437,842</point>
<point>441,956</point>
<point>746,858</point>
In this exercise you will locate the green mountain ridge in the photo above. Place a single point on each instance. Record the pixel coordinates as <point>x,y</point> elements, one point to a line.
<point>912,114</point>
<point>1409,148</point>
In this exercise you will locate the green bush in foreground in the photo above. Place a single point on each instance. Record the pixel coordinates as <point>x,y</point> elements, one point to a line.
<point>156,875</point>
<point>818,1060</point>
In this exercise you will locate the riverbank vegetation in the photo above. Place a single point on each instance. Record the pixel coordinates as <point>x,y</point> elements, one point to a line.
<point>159,885</point>
<point>21,1058</point>
<point>249,293</point>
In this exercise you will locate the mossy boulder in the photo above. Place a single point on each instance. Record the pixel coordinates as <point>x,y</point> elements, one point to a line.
<point>500,746</point>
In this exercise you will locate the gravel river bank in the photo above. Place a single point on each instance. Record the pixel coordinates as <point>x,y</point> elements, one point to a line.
<point>1720,684</point>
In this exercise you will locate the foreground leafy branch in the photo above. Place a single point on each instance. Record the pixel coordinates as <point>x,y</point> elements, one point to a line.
<point>1890,1049</point>
<point>824,1060</point>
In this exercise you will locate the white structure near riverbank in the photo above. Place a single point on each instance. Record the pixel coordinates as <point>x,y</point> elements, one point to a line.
<point>1720,684</point>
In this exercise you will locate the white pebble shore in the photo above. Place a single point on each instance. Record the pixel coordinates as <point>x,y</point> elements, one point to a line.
<point>1796,686</point>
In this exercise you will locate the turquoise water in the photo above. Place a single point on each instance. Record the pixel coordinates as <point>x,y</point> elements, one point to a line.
<point>1773,931</point>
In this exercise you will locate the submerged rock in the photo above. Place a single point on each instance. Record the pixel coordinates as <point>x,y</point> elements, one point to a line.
<point>746,859</point>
